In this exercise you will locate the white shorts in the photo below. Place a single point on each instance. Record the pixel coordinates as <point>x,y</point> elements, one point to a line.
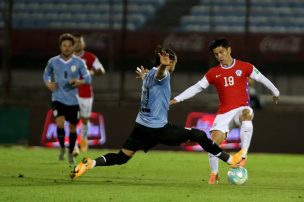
<point>229,120</point>
<point>85,105</point>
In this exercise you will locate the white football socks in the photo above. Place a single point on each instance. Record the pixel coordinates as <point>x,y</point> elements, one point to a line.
<point>246,131</point>
<point>84,130</point>
<point>213,162</point>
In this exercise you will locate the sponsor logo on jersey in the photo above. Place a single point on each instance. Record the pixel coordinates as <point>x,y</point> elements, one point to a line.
<point>218,75</point>
<point>73,68</point>
<point>238,72</point>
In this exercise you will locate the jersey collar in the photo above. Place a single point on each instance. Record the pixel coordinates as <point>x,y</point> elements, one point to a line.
<point>228,67</point>
<point>66,61</point>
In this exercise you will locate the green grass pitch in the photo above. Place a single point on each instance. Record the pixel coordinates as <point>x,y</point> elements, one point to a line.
<point>35,174</point>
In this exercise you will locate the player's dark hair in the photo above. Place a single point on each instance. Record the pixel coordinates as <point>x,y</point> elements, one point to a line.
<point>159,49</point>
<point>171,53</point>
<point>66,36</point>
<point>220,42</point>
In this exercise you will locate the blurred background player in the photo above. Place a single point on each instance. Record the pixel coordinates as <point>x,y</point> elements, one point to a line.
<point>152,127</point>
<point>68,72</point>
<point>230,79</point>
<point>85,92</point>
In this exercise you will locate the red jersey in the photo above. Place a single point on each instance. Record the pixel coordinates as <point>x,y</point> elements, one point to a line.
<point>231,84</point>
<point>86,90</point>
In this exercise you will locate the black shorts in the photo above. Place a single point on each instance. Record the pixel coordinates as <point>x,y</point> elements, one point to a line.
<point>144,138</point>
<point>70,112</point>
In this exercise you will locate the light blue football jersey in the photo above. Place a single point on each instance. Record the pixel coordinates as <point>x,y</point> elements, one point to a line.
<point>62,72</point>
<point>155,100</point>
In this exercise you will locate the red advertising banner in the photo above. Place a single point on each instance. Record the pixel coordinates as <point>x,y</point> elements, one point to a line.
<point>96,131</point>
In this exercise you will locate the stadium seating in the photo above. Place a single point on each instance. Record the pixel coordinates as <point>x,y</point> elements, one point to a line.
<point>277,16</point>
<point>230,16</point>
<point>102,14</point>
<point>208,16</point>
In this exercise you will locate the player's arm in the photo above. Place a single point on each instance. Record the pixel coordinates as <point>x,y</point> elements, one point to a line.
<point>259,77</point>
<point>164,63</point>
<point>47,77</point>
<point>97,69</point>
<point>85,75</point>
<point>191,91</point>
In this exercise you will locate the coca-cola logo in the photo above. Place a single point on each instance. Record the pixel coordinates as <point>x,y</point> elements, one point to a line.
<point>290,44</point>
<point>191,42</point>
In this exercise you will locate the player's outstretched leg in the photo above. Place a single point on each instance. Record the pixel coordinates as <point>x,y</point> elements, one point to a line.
<point>105,160</point>
<point>211,147</point>
<point>85,165</point>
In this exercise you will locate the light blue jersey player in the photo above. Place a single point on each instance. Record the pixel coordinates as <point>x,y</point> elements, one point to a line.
<point>62,77</point>
<point>64,73</point>
<point>155,100</point>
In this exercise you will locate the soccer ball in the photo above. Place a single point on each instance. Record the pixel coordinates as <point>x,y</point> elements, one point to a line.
<point>237,176</point>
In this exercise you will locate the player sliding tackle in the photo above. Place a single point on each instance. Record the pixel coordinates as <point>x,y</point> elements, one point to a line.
<point>152,127</point>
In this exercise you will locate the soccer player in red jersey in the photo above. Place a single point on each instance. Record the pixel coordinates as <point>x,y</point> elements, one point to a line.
<point>85,92</point>
<point>230,79</point>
